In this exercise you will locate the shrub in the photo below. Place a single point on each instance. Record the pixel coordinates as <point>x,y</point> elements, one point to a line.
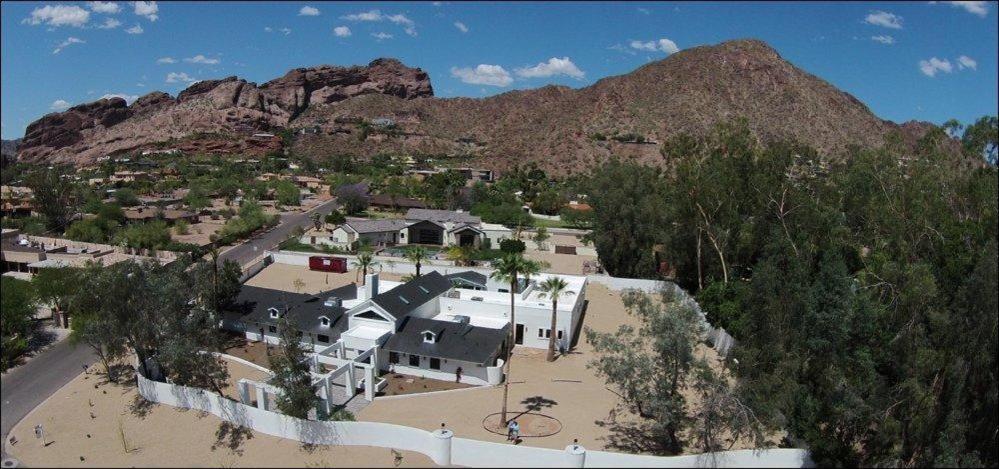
<point>512,246</point>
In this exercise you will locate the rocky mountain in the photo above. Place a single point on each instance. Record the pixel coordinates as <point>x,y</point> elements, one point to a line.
<point>389,107</point>
<point>8,150</point>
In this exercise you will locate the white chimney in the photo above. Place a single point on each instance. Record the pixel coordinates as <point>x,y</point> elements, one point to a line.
<point>370,285</point>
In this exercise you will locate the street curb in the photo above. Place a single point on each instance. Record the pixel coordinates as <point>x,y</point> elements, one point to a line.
<point>6,447</point>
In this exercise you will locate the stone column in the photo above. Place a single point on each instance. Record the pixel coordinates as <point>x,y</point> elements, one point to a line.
<point>441,453</point>
<point>369,383</point>
<point>575,454</point>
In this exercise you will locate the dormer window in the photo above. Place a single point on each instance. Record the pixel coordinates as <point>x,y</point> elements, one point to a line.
<point>274,312</point>
<point>324,321</point>
<point>429,337</point>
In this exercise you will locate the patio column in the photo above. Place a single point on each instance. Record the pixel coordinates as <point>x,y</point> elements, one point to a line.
<point>350,383</point>
<point>369,384</point>
<point>244,391</point>
<point>327,393</point>
<point>261,398</point>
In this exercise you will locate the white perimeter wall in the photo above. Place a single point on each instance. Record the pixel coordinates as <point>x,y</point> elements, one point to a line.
<point>461,451</point>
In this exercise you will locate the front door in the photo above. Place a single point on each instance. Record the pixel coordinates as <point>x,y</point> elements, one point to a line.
<point>519,337</point>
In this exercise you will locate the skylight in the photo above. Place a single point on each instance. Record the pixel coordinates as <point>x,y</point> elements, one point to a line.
<point>424,289</point>
<point>403,299</point>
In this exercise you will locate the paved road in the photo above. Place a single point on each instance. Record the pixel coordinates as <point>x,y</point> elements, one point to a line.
<point>250,250</point>
<point>26,386</point>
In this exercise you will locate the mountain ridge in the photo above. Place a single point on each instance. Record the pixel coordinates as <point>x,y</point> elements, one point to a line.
<point>557,127</point>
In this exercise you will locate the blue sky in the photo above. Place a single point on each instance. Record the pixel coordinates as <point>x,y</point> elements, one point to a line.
<point>921,60</point>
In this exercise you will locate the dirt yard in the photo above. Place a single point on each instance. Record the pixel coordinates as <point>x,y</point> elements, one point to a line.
<point>90,423</point>
<point>564,389</point>
<point>405,384</point>
<point>282,277</point>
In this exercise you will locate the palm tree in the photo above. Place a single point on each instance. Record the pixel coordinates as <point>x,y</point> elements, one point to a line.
<point>417,254</point>
<point>365,260</point>
<point>553,287</point>
<point>508,269</point>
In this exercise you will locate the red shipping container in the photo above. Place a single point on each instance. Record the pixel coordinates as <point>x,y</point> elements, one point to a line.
<point>328,264</point>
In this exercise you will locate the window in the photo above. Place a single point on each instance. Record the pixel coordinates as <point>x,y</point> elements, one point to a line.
<point>541,333</point>
<point>414,360</point>
<point>428,337</point>
<point>324,321</point>
<point>435,363</point>
<point>393,357</point>
<point>560,334</point>
<point>504,290</point>
<point>272,329</point>
<point>273,311</point>
<point>323,338</point>
<point>369,314</point>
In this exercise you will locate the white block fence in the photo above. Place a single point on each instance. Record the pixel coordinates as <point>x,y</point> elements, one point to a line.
<point>440,445</point>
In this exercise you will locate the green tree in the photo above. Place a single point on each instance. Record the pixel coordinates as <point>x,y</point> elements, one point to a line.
<point>365,260</point>
<point>335,218</point>
<point>126,197</point>
<point>554,287</point>
<point>287,193</point>
<point>292,374</point>
<point>650,367</point>
<point>54,197</point>
<point>149,235</point>
<point>417,255</point>
<point>17,307</point>
<point>55,288</point>
<point>509,269</point>
<point>540,236</point>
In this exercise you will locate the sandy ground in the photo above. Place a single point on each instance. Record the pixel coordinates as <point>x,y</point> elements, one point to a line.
<point>198,233</point>
<point>282,277</point>
<point>564,389</point>
<point>84,423</point>
<point>561,263</point>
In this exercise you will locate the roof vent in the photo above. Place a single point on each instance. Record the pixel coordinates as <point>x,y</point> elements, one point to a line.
<point>333,301</point>
<point>403,299</point>
<point>461,319</point>
<point>477,298</point>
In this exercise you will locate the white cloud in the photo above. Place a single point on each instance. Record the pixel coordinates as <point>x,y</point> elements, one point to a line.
<point>148,9</point>
<point>268,29</point>
<point>59,15</point>
<point>341,31</point>
<point>934,65</point>
<point>976,8</point>
<point>662,45</point>
<point>373,15</point>
<point>109,23</point>
<point>59,105</point>
<point>884,39</point>
<point>381,35</point>
<point>129,98</point>
<point>883,18</point>
<point>644,11</point>
<point>308,11</point>
<point>409,26</point>
<point>483,74</point>
<point>166,60</point>
<point>620,48</point>
<point>108,8</point>
<point>554,66</point>
<point>137,29</point>
<point>174,77</point>
<point>964,62</point>
<point>200,59</point>
<point>461,26</point>
<point>68,42</point>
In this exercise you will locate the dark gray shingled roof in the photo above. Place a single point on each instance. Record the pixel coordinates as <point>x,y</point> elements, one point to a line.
<point>455,341</point>
<point>301,309</point>
<point>377,226</point>
<point>402,300</point>
<point>442,216</point>
<point>469,276</point>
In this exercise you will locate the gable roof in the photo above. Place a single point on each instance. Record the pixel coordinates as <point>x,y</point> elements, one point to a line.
<point>454,340</point>
<point>402,300</point>
<point>442,216</point>
<point>303,310</point>
<point>470,276</point>
<point>385,200</point>
<point>377,226</point>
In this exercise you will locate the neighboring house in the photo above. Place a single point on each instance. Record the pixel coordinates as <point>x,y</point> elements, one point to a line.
<point>170,216</point>
<point>16,200</point>
<point>307,182</point>
<point>431,326</point>
<point>421,226</point>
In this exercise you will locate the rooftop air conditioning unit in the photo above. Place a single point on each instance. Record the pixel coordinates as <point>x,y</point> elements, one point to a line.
<point>461,319</point>
<point>477,298</point>
<point>333,301</point>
